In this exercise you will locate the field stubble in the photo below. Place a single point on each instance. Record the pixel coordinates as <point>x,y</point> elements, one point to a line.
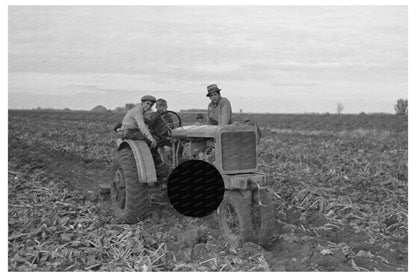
<point>340,201</point>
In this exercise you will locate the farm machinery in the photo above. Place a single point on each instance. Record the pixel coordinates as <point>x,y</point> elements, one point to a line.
<point>245,213</point>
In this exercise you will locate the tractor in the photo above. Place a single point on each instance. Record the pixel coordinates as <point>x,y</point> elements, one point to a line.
<point>246,210</point>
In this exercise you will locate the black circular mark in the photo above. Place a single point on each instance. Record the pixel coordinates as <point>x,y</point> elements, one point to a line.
<point>195,188</point>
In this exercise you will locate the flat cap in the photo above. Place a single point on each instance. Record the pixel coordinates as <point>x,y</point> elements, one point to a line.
<point>149,98</point>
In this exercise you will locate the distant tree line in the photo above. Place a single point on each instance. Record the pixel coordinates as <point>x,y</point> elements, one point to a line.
<point>126,107</point>
<point>51,109</point>
<point>400,108</point>
<point>193,111</point>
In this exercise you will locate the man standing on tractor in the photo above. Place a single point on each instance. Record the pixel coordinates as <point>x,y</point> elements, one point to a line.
<point>219,110</point>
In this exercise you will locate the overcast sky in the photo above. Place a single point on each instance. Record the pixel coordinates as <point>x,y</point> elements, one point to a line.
<point>266,59</point>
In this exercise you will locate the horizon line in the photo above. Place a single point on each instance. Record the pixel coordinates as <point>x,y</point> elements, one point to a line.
<point>181,111</point>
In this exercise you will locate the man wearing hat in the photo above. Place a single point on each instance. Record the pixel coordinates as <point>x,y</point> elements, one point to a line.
<point>133,125</point>
<point>219,110</point>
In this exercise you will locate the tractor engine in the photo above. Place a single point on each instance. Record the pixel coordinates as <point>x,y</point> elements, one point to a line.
<point>230,148</point>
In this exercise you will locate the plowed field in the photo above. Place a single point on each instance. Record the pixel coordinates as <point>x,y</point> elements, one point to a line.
<point>339,185</point>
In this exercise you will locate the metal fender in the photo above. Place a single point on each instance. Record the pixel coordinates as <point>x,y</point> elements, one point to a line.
<point>144,160</point>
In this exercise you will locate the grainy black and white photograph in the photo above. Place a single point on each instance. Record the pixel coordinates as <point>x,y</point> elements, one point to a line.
<point>214,138</point>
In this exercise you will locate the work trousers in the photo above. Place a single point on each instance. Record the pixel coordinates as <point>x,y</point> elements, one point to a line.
<point>136,134</point>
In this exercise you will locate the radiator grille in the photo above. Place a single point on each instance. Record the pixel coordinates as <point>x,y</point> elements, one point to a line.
<point>238,151</point>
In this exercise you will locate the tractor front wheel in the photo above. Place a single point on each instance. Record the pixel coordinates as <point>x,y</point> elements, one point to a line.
<point>263,217</point>
<point>128,196</point>
<point>234,216</point>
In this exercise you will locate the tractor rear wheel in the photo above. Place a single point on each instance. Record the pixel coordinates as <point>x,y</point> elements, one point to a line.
<point>128,196</point>
<point>234,216</point>
<point>263,217</point>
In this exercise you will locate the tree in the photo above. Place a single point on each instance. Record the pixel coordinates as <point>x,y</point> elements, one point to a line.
<point>401,107</point>
<point>99,109</point>
<point>340,108</point>
<point>120,109</point>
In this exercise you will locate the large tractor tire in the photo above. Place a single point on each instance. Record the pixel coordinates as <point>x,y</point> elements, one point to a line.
<point>234,218</point>
<point>263,217</point>
<point>129,196</point>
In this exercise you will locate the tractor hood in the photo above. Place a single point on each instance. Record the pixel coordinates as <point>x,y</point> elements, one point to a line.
<point>208,131</point>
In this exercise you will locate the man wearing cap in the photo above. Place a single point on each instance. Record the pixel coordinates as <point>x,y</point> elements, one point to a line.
<point>219,110</point>
<point>133,125</point>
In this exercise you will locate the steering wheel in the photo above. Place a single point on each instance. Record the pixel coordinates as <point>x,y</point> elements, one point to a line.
<point>165,122</point>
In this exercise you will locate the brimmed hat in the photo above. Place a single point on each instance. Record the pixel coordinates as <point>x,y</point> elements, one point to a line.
<point>149,98</point>
<point>212,88</point>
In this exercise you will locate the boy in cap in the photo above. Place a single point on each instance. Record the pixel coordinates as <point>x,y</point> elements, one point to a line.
<point>158,121</point>
<point>219,110</point>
